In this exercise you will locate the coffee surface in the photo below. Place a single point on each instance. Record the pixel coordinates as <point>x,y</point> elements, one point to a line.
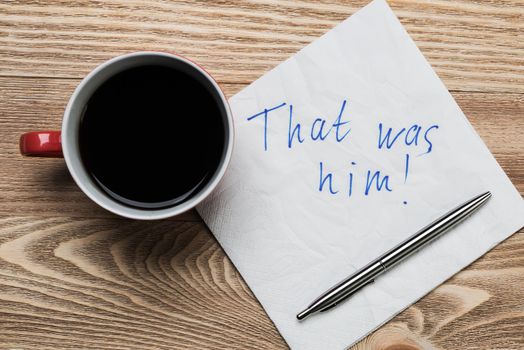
<point>151,136</point>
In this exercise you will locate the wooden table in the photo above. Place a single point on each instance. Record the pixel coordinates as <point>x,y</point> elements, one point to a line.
<point>75,276</point>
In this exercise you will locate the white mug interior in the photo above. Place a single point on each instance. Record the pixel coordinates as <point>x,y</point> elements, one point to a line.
<point>78,102</point>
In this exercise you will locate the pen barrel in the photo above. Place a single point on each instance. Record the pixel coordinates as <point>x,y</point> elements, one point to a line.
<point>432,231</point>
<point>348,286</point>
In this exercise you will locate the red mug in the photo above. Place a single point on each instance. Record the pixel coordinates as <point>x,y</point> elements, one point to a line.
<point>64,143</point>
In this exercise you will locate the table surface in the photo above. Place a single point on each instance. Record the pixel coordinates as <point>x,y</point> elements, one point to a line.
<point>75,276</point>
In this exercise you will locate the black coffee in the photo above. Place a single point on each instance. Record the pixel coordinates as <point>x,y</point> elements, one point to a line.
<point>152,136</point>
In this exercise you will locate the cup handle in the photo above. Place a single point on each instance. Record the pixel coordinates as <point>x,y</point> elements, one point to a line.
<point>41,144</point>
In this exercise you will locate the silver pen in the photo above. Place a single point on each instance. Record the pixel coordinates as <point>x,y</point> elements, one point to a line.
<point>368,273</point>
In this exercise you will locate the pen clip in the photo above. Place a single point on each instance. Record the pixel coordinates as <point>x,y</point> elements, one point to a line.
<point>347,296</point>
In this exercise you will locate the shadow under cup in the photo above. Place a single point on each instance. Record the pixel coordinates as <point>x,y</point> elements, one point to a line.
<point>147,135</point>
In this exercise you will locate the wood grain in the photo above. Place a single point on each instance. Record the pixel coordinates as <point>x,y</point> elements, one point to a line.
<point>121,284</point>
<point>116,283</point>
<point>474,46</point>
<point>74,276</point>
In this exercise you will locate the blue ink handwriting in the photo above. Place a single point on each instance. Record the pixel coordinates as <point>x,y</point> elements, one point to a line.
<point>412,138</point>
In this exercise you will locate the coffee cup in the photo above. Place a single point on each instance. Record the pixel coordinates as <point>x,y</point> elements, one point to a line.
<point>146,135</point>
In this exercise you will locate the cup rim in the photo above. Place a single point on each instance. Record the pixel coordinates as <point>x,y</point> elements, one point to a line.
<point>137,213</point>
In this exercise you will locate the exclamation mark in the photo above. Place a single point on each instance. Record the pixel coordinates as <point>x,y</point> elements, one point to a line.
<point>406,172</point>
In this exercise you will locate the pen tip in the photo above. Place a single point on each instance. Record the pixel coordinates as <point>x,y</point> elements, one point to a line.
<point>304,314</point>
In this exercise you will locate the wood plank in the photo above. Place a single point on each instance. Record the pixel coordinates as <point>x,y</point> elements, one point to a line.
<point>474,46</point>
<point>43,187</point>
<point>73,283</point>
